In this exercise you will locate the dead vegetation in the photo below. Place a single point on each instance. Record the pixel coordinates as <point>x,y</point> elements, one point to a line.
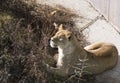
<point>25,30</point>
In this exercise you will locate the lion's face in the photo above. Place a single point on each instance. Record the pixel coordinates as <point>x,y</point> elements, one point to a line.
<point>61,39</point>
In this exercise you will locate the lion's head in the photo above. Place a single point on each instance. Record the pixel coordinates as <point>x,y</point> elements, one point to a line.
<point>63,39</point>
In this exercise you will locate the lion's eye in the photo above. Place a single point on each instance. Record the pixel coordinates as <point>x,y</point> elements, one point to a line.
<point>69,37</point>
<point>60,39</point>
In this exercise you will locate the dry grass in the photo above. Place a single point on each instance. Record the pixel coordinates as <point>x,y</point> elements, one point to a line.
<point>24,40</point>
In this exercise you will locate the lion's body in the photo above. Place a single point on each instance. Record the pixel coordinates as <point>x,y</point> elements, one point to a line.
<point>104,56</point>
<point>101,56</point>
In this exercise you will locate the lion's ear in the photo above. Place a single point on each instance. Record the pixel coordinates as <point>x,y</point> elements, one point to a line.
<point>60,27</point>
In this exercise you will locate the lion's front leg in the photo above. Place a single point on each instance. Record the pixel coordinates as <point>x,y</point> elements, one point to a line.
<point>59,71</point>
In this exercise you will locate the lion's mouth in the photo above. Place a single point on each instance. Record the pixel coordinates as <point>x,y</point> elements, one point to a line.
<point>52,44</point>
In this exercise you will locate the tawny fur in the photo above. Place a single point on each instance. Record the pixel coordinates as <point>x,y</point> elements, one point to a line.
<point>101,56</point>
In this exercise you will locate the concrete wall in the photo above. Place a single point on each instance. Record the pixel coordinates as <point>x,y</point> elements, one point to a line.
<point>110,8</point>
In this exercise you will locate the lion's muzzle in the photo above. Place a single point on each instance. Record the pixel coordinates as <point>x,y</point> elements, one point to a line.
<point>52,44</point>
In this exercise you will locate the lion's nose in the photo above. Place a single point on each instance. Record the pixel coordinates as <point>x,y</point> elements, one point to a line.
<point>52,43</point>
<point>52,39</point>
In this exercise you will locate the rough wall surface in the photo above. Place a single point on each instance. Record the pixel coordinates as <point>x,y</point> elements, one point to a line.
<point>98,29</point>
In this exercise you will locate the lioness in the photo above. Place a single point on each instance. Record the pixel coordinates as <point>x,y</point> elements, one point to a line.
<point>100,56</point>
